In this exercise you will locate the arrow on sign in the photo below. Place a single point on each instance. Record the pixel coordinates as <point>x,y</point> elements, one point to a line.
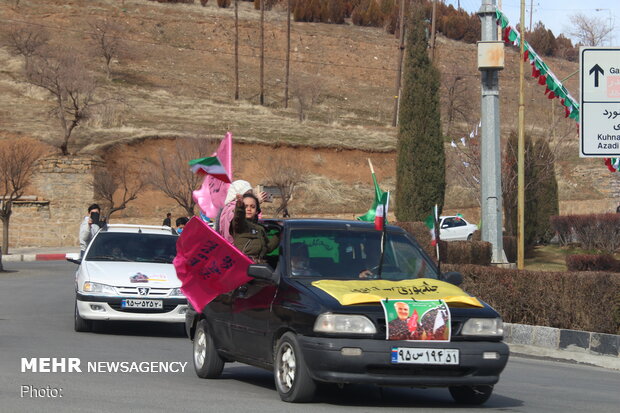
<point>597,69</point>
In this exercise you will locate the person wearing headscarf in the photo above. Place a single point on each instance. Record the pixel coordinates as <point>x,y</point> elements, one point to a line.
<point>249,236</point>
<point>226,215</point>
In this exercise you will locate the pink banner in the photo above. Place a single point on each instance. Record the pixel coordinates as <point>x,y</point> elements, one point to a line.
<point>212,194</point>
<point>207,264</point>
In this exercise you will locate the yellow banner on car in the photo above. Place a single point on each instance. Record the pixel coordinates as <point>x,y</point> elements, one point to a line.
<point>349,292</point>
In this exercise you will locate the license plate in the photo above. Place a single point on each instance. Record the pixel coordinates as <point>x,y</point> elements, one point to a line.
<point>425,356</point>
<point>129,303</point>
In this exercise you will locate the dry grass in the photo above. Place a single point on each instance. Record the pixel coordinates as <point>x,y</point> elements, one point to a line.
<point>177,81</point>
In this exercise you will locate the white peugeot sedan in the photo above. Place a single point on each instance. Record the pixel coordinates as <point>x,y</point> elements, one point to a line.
<point>456,228</point>
<point>127,274</point>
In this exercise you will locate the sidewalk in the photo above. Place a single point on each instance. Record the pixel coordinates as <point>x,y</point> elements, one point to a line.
<point>38,254</point>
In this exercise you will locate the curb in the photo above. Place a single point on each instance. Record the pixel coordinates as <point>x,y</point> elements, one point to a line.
<point>582,346</point>
<point>33,257</point>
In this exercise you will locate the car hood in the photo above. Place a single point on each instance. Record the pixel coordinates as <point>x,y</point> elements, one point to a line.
<point>327,303</point>
<point>131,274</point>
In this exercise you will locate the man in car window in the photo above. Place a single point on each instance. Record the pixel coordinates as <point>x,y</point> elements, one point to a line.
<point>300,260</point>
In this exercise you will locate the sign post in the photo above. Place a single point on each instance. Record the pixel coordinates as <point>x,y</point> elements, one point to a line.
<point>599,121</point>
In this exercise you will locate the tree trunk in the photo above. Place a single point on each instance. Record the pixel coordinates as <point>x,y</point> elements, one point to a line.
<point>5,235</point>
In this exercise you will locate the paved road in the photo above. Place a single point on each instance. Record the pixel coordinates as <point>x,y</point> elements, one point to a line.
<point>36,308</point>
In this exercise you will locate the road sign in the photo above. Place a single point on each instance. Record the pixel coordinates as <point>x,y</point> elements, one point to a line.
<point>599,103</point>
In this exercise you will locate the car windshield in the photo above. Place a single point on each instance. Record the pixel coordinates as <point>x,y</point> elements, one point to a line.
<point>355,254</point>
<point>132,247</point>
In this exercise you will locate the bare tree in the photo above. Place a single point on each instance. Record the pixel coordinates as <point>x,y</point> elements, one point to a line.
<point>108,44</point>
<point>71,86</point>
<point>456,97</point>
<point>170,172</point>
<point>26,41</point>
<point>306,89</point>
<point>589,31</point>
<point>117,186</point>
<point>285,173</point>
<point>17,160</point>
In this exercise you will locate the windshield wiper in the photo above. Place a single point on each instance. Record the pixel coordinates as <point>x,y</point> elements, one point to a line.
<point>166,260</point>
<point>107,258</point>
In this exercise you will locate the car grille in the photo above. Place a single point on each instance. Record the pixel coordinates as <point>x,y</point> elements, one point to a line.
<point>433,371</point>
<point>153,292</point>
<point>167,308</point>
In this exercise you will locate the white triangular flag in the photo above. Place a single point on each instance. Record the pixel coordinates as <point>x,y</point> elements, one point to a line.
<point>463,140</point>
<point>453,144</point>
<point>439,321</point>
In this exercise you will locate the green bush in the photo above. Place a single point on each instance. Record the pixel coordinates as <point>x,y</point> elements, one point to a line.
<point>570,300</point>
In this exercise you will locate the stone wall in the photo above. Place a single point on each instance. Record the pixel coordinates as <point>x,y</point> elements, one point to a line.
<point>63,191</point>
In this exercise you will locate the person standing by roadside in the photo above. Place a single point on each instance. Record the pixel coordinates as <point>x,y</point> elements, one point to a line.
<point>89,227</point>
<point>168,220</point>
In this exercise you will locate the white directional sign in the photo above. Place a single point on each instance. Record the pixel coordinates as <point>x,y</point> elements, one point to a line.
<point>599,117</point>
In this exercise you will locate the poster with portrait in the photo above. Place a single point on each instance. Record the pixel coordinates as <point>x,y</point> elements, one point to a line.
<point>417,320</point>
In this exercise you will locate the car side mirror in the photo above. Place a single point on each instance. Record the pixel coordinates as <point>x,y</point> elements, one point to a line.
<point>261,272</point>
<point>452,277</point>
<point>74,258</point>
<point>444,226</point>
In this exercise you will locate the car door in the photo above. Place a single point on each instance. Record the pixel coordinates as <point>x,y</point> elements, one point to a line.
<point>446,228</point>
<point>251,314</point>
<point>219,316</point>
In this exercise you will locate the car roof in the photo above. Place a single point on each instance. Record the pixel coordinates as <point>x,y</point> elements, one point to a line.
<point>139,229</point>
<point>323,223</point>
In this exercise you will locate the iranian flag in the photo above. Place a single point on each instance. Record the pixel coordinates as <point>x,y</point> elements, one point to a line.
<point>430,222</point>
<point>379,194</point>
<point>210,166</point>
<point>217,170</point>
<point>382,210</point>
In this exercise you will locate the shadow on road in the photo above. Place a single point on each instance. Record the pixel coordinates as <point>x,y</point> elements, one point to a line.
<point>150,329</point>
<point>366,395</point>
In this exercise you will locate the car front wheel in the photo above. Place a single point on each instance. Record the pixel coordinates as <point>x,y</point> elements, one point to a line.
<point>207,363</point>
<point>293,380</point>
<point>471,394</point>
<point>80,324</point>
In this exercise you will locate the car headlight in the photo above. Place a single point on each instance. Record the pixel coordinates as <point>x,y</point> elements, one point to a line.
<point>483,327</point>
<point>177,292</point>
<point>343,324</point>
<point>91,287</point>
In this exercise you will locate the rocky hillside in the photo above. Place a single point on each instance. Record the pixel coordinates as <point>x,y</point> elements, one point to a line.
<point>174,78</point>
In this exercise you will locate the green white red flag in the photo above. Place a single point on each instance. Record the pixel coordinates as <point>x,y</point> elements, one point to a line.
<point>381,212</point>
<point>430,222</point>
<point>379,194</point>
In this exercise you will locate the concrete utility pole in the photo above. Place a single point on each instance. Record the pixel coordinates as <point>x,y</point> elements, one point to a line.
<point>521,151</point>
<point>491,171</point>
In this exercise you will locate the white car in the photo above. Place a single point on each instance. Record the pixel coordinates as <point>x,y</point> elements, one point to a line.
<point>127,274</point>
<point>456,228</point>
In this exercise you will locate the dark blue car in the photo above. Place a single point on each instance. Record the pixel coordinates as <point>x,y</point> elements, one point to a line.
<point>286,322</point>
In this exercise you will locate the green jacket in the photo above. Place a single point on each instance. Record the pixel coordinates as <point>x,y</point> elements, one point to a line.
<point>251,237</point>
